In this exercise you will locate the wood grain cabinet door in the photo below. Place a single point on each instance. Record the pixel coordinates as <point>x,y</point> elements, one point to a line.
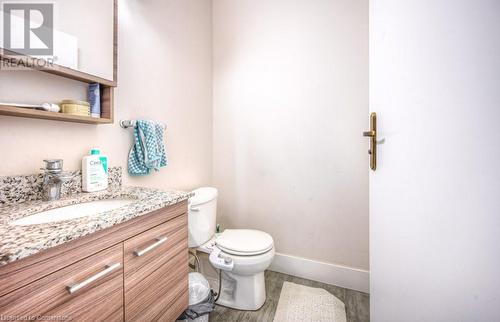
<point>88,290</point>
<point>156,272</point>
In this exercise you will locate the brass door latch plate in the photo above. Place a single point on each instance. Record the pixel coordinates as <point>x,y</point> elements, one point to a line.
<point>372,134</point>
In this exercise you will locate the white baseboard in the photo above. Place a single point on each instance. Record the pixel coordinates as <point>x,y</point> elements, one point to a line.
<point>343,276</point>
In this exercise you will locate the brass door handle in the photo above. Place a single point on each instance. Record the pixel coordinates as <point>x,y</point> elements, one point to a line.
<point>372,134</point>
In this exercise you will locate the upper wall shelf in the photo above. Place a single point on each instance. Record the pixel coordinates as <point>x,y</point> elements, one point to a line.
<point>107,90</point>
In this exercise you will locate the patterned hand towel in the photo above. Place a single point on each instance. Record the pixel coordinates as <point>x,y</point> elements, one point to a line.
<point>148,151</point>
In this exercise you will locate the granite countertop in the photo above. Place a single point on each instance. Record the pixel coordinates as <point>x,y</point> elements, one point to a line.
<point>17,242</point>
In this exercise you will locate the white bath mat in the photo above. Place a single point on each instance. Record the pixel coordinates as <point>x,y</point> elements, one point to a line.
<point>307,304</point>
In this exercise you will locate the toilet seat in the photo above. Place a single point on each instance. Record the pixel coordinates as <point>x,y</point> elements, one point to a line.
<point>244,242</point>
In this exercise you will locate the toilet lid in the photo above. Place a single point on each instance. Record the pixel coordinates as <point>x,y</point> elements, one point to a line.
<point>244,242</point>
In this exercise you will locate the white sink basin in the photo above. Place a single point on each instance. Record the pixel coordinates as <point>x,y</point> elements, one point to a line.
<point>73,211</point>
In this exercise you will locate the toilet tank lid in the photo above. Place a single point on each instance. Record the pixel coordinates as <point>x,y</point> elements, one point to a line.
<point>203,195</point>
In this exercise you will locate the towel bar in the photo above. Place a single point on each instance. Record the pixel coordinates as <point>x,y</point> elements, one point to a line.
<point>131,123</point>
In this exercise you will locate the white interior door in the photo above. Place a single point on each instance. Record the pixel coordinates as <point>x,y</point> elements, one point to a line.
<point>435,197</point>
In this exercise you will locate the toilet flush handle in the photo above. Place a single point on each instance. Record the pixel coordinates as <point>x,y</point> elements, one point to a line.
<point>194,209</point>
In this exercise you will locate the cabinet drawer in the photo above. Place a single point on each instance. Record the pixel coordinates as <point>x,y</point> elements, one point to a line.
<point>156,271</point>
<point>146,252</point>
<point>152,299</point>
<point>89,290</point>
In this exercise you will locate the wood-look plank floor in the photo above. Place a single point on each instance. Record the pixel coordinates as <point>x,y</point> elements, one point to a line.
<point>357,304</point>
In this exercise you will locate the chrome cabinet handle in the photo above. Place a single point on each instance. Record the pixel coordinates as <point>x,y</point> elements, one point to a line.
<point>109,268</point>
<point>159,241</point>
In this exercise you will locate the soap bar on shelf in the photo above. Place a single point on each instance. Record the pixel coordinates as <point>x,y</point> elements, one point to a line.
<point>72,107</point>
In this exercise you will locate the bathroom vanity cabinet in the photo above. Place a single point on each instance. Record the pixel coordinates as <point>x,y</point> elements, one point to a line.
<point>134,271</point>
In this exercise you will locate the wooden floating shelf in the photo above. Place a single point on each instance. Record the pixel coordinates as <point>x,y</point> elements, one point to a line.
<point>107,86</point>
<point>38,114</point>
<point>107,103</point>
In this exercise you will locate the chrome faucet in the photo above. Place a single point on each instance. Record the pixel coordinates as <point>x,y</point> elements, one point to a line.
<point>53,178</point>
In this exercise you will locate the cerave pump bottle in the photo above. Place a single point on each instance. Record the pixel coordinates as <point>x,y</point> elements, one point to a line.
<point>94,171</point>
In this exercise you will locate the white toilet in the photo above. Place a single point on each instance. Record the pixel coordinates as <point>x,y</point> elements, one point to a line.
<point>247,253</point>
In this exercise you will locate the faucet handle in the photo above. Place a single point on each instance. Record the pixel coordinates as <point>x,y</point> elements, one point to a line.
<point>53,164</point>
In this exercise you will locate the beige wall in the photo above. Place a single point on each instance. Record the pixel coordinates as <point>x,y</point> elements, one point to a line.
<point>290,103</point>
<point>164,71</point>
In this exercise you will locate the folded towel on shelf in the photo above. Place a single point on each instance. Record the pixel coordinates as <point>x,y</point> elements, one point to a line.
<point>148,151</point>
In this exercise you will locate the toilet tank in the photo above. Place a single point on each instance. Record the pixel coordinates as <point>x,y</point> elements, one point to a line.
<point>202,212</point>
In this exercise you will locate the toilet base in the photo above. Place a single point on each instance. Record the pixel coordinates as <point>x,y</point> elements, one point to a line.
<point>243,292</point>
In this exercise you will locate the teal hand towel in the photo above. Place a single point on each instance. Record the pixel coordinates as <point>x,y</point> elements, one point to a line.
<point>148,151</point>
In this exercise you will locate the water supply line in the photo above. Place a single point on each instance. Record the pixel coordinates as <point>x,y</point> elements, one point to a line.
<point>197,260</point>
<point>220,286</point>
